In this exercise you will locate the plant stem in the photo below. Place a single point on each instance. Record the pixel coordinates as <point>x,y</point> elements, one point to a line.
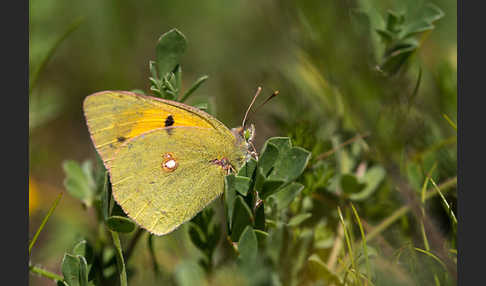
<point>119,258</point>
<point>345,143</point>
<point>45,273</point>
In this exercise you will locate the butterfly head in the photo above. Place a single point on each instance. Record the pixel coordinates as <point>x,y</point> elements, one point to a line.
<point>244,138</point>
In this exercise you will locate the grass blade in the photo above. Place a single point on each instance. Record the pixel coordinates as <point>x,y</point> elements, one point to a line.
<point>452,216</point>
<point>430,254</point>
<point>44,221</point>
<point>363,239</point>
<point>348,240</point>
<point>450,121</point>
<point>74,25</point>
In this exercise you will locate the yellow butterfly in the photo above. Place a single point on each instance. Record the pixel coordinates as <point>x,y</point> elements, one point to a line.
<point>167,160</point>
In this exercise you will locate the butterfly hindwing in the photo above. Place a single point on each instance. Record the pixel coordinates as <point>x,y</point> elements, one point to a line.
<point>114,117</point>
<point>161,199</point>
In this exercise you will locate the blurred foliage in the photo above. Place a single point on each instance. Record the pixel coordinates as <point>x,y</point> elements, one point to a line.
<point>368,87</point>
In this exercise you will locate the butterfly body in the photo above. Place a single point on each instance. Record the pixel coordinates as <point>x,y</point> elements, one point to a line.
<point>166,160</point>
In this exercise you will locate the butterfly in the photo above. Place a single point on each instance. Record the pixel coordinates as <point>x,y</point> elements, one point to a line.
<point>167,160</point>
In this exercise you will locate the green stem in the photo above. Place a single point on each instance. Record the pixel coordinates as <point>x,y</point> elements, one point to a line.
<point>45,273</point>
<point>119,258</point>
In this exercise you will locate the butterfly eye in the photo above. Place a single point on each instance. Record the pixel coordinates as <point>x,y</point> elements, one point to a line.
<point>169,164</point>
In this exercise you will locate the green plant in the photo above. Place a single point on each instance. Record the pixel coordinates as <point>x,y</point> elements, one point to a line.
<point>355,210</point>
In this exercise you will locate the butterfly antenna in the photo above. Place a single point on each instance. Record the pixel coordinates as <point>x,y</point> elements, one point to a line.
<point>259,89</point>
<point>275,93</point>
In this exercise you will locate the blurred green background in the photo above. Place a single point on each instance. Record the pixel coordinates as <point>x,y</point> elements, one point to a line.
<point>318,54</point>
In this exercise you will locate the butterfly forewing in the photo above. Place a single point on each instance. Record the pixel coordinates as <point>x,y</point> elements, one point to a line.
<point>113,117</point>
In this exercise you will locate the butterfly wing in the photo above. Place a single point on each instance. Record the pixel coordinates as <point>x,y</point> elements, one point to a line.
<point>159,199</point>
<point>114,117</point>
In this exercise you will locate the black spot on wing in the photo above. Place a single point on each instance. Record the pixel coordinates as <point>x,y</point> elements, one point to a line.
<point>169,121</point>
<point>121,139</point>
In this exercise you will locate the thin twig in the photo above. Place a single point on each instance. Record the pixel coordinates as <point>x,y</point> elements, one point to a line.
<point>345,143</point>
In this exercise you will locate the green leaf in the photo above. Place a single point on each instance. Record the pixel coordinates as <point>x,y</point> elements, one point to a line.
<point>429,14</point>
<point>298,219</point>
<point>83,271</point>
<point>229,197</point>
<point>416,28</point>
<point>197,236</point>
<point>372,178</point>
<point>290,164</point>
<point>248,168</point>
<point>248,246</point>
<point>83,248</point>
<point>78,182</point>
<point>214,236</point>
<point>385,35</point>
<point>70,268</point>
<point>318,267</point>
<point>120,224</point>
<point>201,106</point>
<point>393,63</point>
<point>260,217</point>
<point>432,13</point>
<point>350,185</point>
<point>106,197</point>
<point>242,217</point>
<point>242,185</point>
<point>170,47</point>
<point>287,194</point>
<point>270,187</point>
<point>282,143</point>
<point>259,180</point>
<point>394,21</point>
<point>138,91</point>
<point>268,157</point>
<point>261,236</point>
